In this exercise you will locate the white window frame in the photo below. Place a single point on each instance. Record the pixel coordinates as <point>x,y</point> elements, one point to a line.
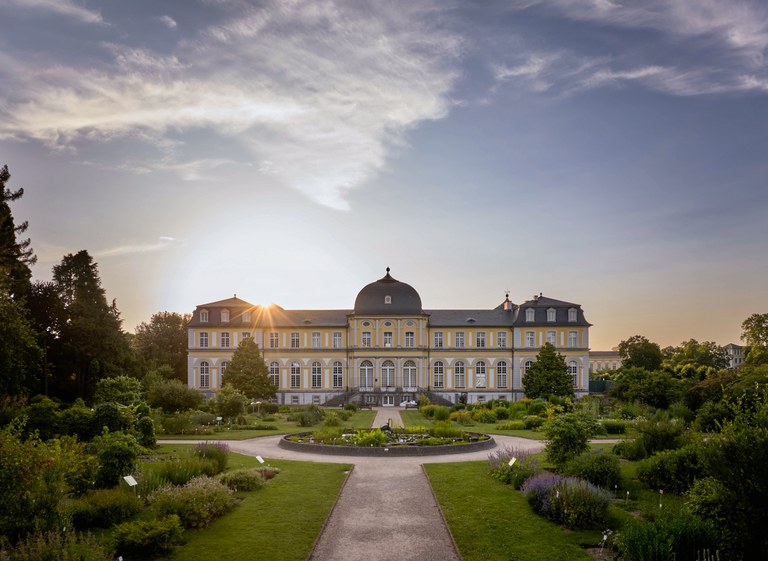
<point>338,374</point>
<point>530,315</point>
<point>551,315</point>
<point>336,339</point>
<point>245,335</point>
<point>409,374</point>
<point>530,339</point>
<point>316,339</point>
<point>366,374</point>
<point>480,339</point>
<point>387,374</point>
<point>573,339</point>
<point>316,377</point>
<point>459,340</point>
<point>203,316</point>
<point>274,340</point>
<point>224,340</point>
<point>502,379</point>
<point>246,317</point>
<point>274,373</point>
<point>501,339</point>
<point>366,339</point>
<point>438,377</point>
<point>388,339</point>
<point>573,370</point>
<point>204,339</point>
<point>295,340</point>
<point>459,375</point>
<point>224,316</point>
<point>204,375</point>
<point>410,339</point>
<point>572,315</point>
<point>438,340</point>
<point>552,337</point>
<point>295,375</point>
<point>527,365</point>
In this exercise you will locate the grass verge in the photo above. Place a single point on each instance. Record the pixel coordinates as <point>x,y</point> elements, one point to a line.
<point>279,522</point>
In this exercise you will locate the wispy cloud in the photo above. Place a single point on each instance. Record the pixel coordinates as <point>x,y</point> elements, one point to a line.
<point>168,21</point>
<point>68,8</point>
<point>162,243</point>
<point>321,89</point>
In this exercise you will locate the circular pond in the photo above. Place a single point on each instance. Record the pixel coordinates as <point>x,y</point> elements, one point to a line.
<point>365,442</point>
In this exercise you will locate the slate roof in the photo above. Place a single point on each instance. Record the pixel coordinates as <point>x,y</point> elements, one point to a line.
<point>470,318</point>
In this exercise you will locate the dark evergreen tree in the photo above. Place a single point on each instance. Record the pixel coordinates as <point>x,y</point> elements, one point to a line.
<point>548,375</point>
<point>15,256</point>
<point>19,353</point>
<point>248,372</point>
<point>163,341</point>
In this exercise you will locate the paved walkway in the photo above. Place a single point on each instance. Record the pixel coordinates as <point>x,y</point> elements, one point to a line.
<point>384,414</point>
<point>386,510</point>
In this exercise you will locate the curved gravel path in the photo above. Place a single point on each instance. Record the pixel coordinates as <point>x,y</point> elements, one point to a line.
<point>386,509</point>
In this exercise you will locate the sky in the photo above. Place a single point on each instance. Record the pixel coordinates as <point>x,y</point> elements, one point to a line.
<point>611,154</point>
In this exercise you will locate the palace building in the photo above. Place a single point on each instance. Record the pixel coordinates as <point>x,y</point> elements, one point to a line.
<point>388,349</point>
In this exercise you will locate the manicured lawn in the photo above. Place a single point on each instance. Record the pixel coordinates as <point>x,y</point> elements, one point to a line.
<point>491,521</point>
<point>279,522</point>
<point>358,420</point>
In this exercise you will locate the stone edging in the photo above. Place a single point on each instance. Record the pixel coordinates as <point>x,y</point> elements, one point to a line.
<point>382,452</point>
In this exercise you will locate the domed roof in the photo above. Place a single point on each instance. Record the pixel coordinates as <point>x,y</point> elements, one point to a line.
<point>388,296</point>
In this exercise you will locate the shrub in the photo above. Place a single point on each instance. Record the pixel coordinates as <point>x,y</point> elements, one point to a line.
<point>352,407</point>
<point>244,479</point>
<point>533,422</point>
<point>711,415</point>
<point>441,413</point>
<point>630,449</point>
<point>567,437</point>
<point>148,537</point>
<point>310,416</point>
<point>673,470</point>
<point>517,409</point>
<point>343,414</point>
<point>502,413</point>
<point>199,418</point>
<point>373,437</point>
<point>536,407</point>
<point>268,472</point>
<point>177,424</point>
<point>659,433</point>
<point>461,417</point>
<point>54,546</point>
<point>175,471</point>
<point>511,425</point>
<point>524,467</point>
<point>614,427</point>
<point>328,435</point>
<point>484,416</point>
<point>671,536</point>
<point>573,502</point>
<point>117,453</point>
<point>145,429</point>
<point>428,410</point>
<point>332,420</point>
<point>216,451</point>
<point>197,504</point>
<point>269,408</point>
<point>599,469</point>
<point>105,507</point>
<point>444,429</point>
<point>77,420</point>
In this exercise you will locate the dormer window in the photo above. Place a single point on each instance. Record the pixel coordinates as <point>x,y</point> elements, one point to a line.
<point>246,317</point>
<point>530,314</point>
<point>387,299</point>
<point>204,316</point>
<point>551,314</point>
<point>572,314</point>
<point>225,316</point>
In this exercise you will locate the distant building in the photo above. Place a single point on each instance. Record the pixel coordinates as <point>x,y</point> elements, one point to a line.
<point>388,349</point>
<point>604,360</point>
<point>735,355</point>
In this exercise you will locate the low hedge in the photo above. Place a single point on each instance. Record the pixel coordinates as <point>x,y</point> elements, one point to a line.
<point>197,504</point>
<point>147,537</point>
<point>103,508</point>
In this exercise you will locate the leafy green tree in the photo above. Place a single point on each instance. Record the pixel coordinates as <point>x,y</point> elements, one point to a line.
<point>695,360</point>
<point>230,402</point>
<point>657,388</point>
<point>91,344</point>
<point>15,256</point>
<point>19,352</point>
<point>248,372</point>
<point>172,396</point>
<point>120,389</point>
<point>754,330</point>
<point>548,375</point>
<point>638,351</point>
<point>163,340</point>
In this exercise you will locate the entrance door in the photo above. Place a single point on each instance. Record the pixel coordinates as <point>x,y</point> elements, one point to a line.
<point>388,400</point>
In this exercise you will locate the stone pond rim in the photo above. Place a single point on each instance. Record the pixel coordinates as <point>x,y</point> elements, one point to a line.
<point>384,451</point>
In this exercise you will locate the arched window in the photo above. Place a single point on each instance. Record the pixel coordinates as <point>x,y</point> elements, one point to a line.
<point>573,370</point>
<point>437,374</point>
<point>551,314</point>
<point>224,316</point>
<point>480,374</point>
<point>338,378</point>
<point>295,375</point>
<point>527,366</point>
<point>409,374</point>
<point>317,378</point>
<point>205,375</point>
<point>223,367</point>
<point>204,316</point>
<point>480,368</point>
<point>387,299</point>
<point>530,314</point>
<point>274,373</point>
<point>388,374</point>
<point>459,379</point>
<point>501,374</point>
<point>366,374</point>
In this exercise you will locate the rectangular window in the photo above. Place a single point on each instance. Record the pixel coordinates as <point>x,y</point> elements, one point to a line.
<point>573,339</point>
<point>552,337</point>
<point>437,380</point>
<point>203,339</point>
<point>295,378</point>
<point>458,376</point>
<point>224,339</point>
<point>501,375</point>
<point>336,341</point>
<point>387,339</point>
<point>480,339</point>
<point>246,317</point>
<point>244,335</point>
<point>551,315</point>
<point>294,400</point>
<point>315,339</point>
<point>294,340</point>
<point>317,380</point>
<point>501,339</point>
<point>572,314</point>
<point>205,380</point>
<point>366,340</point>
<point>338,380</point>
<point>274,340</point>
<point>438,339</point>
<point>459,339</point>
<point>409,339</point>
<point>530,339</point>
